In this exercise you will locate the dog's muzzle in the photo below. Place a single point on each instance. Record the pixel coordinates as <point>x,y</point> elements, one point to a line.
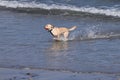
<point>46,28</point>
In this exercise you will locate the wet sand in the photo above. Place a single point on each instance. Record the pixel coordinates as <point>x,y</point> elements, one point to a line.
<point>35,74</point>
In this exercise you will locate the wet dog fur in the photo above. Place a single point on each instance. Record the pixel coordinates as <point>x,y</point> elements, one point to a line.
<point>57,32</point>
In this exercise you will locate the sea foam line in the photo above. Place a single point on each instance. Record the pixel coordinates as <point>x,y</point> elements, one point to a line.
<point>16,4</point>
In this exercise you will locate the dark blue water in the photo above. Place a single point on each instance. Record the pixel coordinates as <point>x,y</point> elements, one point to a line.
<point>92,48</point>
<point>109,3</point>
<point>64,7</point>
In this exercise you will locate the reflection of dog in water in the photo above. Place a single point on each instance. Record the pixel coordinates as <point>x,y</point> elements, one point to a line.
<point>58,32</point>
<point>57,46</point>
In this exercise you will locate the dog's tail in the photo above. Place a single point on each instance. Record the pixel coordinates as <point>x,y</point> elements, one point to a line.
<point>73,28</point>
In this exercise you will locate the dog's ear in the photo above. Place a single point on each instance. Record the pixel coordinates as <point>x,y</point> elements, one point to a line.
<point>53,26</point>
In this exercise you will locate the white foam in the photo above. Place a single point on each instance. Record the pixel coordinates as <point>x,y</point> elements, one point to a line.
<point>15,4</point>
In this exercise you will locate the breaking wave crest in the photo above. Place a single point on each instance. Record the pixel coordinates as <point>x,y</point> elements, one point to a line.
<point>58,9</point>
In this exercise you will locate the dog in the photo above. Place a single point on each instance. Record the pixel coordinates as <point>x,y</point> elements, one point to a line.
<point>57,32</point>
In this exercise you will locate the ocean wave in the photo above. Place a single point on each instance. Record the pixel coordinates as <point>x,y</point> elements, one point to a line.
<point>58,8</point>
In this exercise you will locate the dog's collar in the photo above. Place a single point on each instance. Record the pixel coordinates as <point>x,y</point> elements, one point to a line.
<point>51,31</point>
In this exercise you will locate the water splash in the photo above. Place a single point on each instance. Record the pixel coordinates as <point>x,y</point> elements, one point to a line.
<point>92,33</point>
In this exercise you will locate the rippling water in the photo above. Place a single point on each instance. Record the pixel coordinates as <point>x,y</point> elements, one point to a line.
<point>92,48</point>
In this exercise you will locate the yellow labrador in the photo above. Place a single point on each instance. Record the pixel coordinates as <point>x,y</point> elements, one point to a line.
<point>59,31</point>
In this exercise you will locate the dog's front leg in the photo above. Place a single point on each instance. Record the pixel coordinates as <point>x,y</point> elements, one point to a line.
<point>66,35</point>
<point>58,37</point>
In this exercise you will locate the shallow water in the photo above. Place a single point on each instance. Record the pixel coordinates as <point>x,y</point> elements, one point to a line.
<point>93,47</point>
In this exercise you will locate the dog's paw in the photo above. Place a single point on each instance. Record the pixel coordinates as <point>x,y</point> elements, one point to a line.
<point>54,38</point>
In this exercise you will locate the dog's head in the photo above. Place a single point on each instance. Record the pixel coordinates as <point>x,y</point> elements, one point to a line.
<point>49,27</point>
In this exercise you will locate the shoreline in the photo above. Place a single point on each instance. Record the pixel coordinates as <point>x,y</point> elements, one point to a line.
<point>32,74</point>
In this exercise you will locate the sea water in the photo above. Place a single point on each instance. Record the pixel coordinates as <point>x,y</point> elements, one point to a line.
<point>92,48</point>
